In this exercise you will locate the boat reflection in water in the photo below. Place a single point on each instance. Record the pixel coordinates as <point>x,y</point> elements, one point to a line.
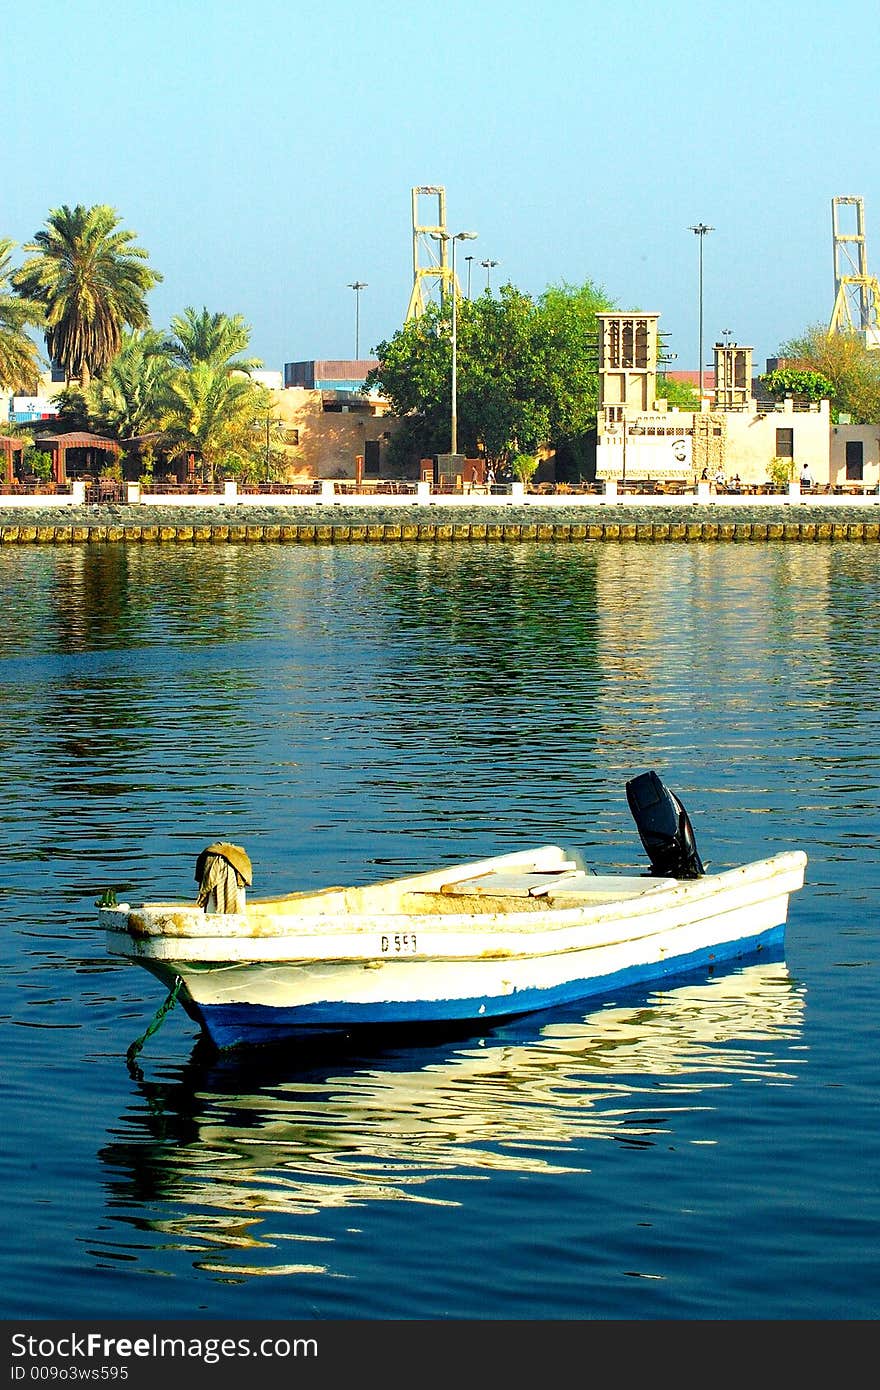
<point>234,1157</point>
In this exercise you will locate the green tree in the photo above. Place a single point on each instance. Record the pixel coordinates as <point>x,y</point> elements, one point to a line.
<point>92,281</point>
<point>526,373</point>
<point>802,384</point>
<point>218,340</point>
<point>19,358</point>
<point>414,376</point>
<point>503,407</point>
<point>851,368</point>
<point>568,367</point>
<point>677,393</point>
<point>74,411</point>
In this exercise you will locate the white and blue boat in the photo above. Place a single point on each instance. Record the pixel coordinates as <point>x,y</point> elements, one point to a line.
<point>466,943</point>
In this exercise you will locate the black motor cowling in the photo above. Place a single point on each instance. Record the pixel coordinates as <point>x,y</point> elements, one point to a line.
<point>664,827</point>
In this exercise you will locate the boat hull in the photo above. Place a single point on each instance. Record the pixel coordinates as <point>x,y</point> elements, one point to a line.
<point>383,971</point>
<point>231,1024</point>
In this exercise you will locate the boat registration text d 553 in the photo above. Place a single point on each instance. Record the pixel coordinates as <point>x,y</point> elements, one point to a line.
<point>399,944</point>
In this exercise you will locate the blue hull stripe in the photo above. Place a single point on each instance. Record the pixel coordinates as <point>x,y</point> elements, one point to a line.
<point>229,1025</point>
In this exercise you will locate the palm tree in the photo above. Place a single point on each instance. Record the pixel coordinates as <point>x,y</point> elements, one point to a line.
<point>126,400</point>
<point>213,339</point>
<point>92,281</point>
<point>207,412</point>
<point>19,359</point>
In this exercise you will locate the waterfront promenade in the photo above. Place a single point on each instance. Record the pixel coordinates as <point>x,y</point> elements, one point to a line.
<point>354,518</point>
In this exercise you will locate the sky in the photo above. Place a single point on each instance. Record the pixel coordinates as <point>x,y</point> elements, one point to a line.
<point>265,156</point>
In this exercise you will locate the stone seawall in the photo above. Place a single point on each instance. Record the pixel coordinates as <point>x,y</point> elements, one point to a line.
<point>115,525</point>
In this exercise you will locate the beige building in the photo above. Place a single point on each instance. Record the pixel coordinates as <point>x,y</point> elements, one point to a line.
<point>855,454</point>
<point>641,438</point>
<point>328,434</point>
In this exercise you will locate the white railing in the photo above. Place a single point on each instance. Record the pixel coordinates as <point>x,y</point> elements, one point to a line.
<point>612,493</point>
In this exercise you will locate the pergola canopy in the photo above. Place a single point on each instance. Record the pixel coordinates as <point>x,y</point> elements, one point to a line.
<point>58,445</point>
<point>8,445</point>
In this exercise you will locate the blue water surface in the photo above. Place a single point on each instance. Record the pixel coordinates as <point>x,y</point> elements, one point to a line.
<point>705,1150</point>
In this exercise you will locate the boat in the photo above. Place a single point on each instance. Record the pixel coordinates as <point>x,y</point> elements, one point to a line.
<point>468,943</point>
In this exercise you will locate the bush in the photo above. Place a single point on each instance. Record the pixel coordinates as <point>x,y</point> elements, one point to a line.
<point>523,466</point>
<point>39,463</point>
<point>243,469</point>
<point>780,471</point>
<point>147,466</point>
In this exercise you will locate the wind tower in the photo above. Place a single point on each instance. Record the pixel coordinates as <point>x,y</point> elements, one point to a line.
<point>856,293</point>
<point>627,365</point>
<point>430,252</point>
<point>733,376</point>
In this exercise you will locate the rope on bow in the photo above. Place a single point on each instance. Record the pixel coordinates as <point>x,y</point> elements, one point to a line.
<point>160,1013</point>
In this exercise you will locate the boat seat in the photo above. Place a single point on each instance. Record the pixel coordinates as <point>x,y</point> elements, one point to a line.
<point>606,888</point>
<point>556,886</point>
<point>528,883</point>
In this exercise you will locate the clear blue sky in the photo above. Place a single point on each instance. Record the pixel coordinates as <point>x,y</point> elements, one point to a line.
<point>265,155</point>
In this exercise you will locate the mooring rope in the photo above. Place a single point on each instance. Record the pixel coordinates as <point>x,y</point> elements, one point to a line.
<point>160,1013</point>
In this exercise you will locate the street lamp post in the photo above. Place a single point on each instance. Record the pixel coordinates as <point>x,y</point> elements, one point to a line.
<point>488,267</point>
<point>453,431</point>
<point>469,260</point>
<point>357,286</point>
<point>700,230</point>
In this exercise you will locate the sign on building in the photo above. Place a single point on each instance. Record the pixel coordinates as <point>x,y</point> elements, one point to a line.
<point>631,452</point>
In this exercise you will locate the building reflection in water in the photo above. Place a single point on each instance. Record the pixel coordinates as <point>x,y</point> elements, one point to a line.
<point>224,1148</point>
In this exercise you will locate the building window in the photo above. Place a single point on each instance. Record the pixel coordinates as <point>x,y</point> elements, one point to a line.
<point>291,436</point>
<point>627,356</point>
<point>785,444</point>
<point>855,461</point>
<point>641,343</point>
<point>627,342</point>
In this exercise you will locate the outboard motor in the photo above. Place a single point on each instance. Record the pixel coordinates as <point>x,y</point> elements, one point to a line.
<point>664,827</point>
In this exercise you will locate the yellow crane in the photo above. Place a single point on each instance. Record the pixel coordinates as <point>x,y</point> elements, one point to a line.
<point>430,252</point>
<point>856,293</point>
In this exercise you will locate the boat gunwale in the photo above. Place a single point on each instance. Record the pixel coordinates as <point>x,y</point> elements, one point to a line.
<point>507,933</point>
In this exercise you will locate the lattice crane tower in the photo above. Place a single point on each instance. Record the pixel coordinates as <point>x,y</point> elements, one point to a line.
<point>856,293</point>
<point>430,252</point>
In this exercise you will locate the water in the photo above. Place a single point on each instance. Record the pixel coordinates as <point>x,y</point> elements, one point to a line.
<point>708,1150</point>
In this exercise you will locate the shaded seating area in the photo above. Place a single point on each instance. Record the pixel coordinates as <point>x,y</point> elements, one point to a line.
<point>59,445</point>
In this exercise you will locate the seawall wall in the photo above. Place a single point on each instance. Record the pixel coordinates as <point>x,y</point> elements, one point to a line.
<point>97,526</point>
